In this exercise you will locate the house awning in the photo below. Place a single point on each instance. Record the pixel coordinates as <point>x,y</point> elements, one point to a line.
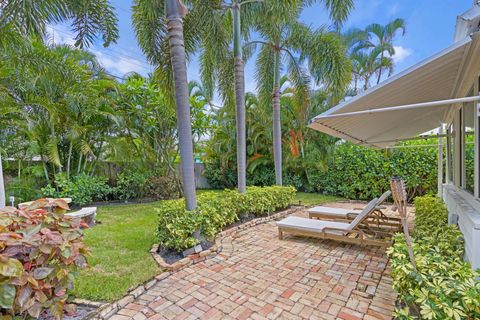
<point>407,99</point>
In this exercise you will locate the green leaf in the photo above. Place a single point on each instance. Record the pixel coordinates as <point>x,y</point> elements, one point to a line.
<point>10,267</point>
<point>42,273</point>
<point>7,295</point>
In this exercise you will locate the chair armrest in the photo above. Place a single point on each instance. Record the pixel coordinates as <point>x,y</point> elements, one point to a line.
<point>381,207</point>
<point>352,215</point>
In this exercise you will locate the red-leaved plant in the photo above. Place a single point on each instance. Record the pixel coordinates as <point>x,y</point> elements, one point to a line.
<point>40,249</point>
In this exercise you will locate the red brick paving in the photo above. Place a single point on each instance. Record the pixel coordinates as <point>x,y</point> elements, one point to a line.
<point>258,276</point>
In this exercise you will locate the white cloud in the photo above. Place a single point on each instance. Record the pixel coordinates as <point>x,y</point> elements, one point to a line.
<point>393,9</point>
<point>401,53</point>
<point>60,35</point>
<point>120,64</point>
<point>114,61</point>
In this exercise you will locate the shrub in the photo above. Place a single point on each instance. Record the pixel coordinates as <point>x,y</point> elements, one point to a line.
<point>214,212</point>
<point>262,200</point>
<point>131,185</point>
<point>444,286</point>
<point>263,176</point>
<point>218,177</point>
<point>357,172</point>
<point>431,215</point>
<point>162,188</point>
<point>176,224</point>
<point>83,189</point>
<point>40,251</point>
<point>23,190</point>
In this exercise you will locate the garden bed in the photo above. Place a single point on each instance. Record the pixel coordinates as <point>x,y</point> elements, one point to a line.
<point>229,231</point>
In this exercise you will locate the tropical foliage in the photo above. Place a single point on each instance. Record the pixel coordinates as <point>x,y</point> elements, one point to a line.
<point>357,172</point>
<point>214,212</point>
<point>66,120</point>
<point>73,118</point>
<point>371,51</point>
<point>443,286</point>
<point>316,163</point>
<point>40,252</point>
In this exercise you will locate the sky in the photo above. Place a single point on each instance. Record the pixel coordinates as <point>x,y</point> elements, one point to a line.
<point>430,26</point>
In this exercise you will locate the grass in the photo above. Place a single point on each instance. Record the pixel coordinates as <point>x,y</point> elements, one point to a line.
<point>310,199</point>
<point>120,247</point>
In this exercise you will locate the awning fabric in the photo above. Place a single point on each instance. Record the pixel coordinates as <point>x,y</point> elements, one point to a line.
<point>446,75</point>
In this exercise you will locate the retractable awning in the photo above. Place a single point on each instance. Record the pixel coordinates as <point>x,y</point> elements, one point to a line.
<point>412,102</point>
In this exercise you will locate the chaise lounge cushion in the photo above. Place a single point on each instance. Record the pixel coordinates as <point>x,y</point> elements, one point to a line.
<point>334,212</point>
<point>311,225</point>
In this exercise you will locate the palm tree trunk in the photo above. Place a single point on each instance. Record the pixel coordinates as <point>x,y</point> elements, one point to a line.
<point>177,51</point>
<point>45,169</point>
<point>240,100</point>
<point>69,160</point>
<point>2,187</point>
<point>380,70</point>
<point>79,166</point>
<point>277,130</point>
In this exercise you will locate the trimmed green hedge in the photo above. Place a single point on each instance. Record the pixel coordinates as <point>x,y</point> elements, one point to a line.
<point>357,172</point>
<point>352,172</point>
<point>444,286</point>
<point>214,212</point>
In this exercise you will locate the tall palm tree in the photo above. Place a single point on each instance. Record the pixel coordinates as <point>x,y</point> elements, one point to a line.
<point>175,11</point>
<point>239,98</point>
<point>215,48</point>
<point>383,41</point>
<point>88,18</point>
<point>285,39</point>
<point>30,18</point>
<point>167,35</point>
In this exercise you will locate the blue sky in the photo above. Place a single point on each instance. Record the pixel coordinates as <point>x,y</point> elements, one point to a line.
<point>430,27</point>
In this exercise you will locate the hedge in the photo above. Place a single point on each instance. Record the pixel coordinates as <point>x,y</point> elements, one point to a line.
<point>357,172</point>
<point>214,212</point>
<point>444,285</point>
<point>353,172</point>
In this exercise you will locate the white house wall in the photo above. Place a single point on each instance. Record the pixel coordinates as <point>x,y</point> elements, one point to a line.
<point>465,211</point>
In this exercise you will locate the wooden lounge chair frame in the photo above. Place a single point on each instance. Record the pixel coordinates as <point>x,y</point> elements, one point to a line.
<point>375,219</point>
<point>353,234</point>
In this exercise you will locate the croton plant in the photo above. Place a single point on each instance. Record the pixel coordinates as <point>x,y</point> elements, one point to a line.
<point>40,249</point>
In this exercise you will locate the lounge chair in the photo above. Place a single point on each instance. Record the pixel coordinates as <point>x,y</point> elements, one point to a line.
<point>376,218</point>
<point>351,232</point>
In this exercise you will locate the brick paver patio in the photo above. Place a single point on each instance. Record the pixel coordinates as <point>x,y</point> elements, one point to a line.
<point>258,276</point>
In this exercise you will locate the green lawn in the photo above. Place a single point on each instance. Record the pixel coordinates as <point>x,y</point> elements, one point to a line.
<point>120,247</point>
<point>310,199</point>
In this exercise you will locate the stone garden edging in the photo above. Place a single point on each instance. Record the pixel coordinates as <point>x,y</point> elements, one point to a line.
<point>105,311</point>
<point>218,245</point>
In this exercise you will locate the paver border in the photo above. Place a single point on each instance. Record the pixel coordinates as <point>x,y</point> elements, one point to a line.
<point>105,311</point>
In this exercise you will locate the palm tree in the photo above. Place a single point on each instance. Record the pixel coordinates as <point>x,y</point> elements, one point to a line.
<point>239,98</point>
<point>215,48</point>
<point>88,18</point>
<point>28,18</point>
<point>175,11</point>
<point>383,42</point>
<point>166,33</point>
<point>285,39</point>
